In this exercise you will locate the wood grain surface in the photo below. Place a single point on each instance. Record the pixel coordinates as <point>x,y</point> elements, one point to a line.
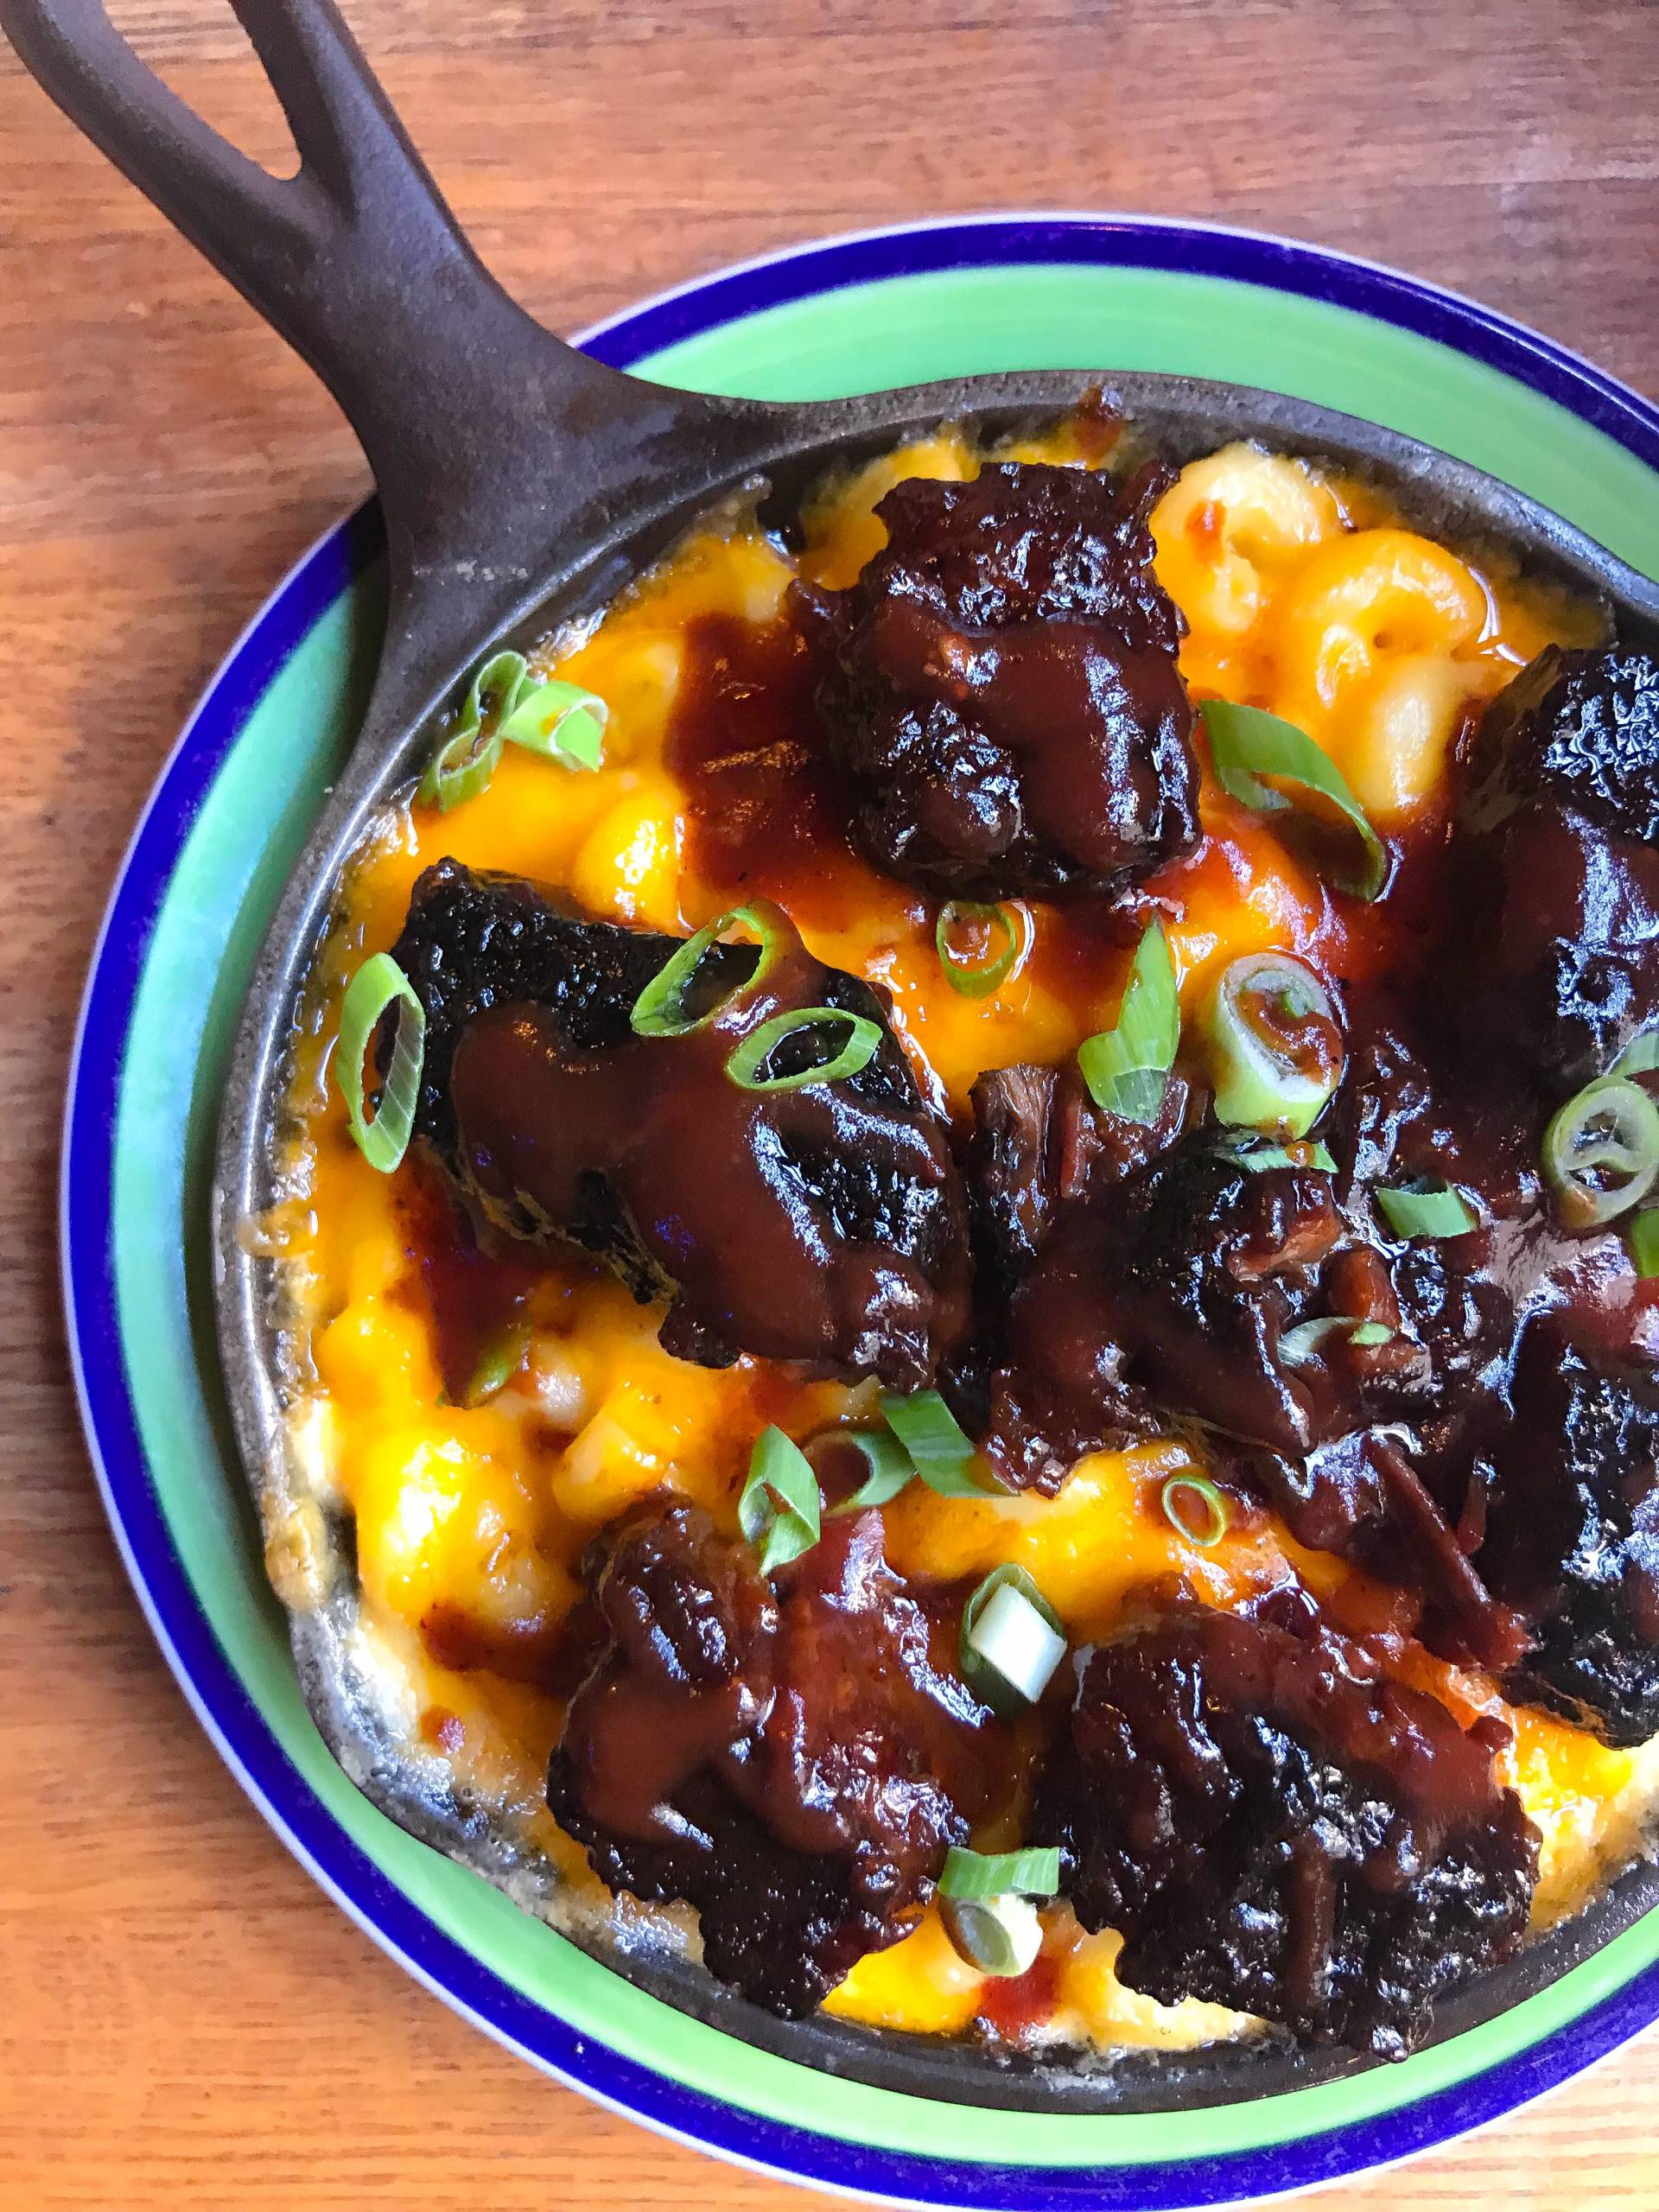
<point>184,2020</point>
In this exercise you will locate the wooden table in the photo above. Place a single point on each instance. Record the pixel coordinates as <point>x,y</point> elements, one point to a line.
<point>184,2020</point>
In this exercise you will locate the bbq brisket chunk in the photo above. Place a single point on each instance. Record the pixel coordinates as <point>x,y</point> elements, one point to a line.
<point>824,1224</point>
<point>1572,1532</point>
<point>1002,686</point>
<point>1558,858</point>
<point>1166,1298</point>
<point>793,1760</point>
<point>1270,1828</point>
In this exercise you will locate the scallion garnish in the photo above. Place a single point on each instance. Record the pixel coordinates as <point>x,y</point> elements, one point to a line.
<point>940,1450</point>
<point>1246,744</point>
<point>1011,1641</point>
<point>890,1467</point>
<point>505,706</point>
<point>1640,1056</point>
<point>1299,1345</point>
<point>1425,1209</point>
<point>560,720</point>
<point>498,1362</point>
<point>660,1009</point>
<point>1257,1157</point>
<point>1033,1872</point>
<point>1274,1043</point>
<point>976,975</point>
<point>1601,1152</point>
<point>1214,1520</point>
<point>998,1935</point>
<point>1126,1066</point>
<point>860,1042</point>
<point>780,1508</point>
<point>1642,1238</point>
<point>377,984</point>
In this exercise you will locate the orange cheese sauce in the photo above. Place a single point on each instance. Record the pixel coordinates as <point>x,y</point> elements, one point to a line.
<point>1301,597</point>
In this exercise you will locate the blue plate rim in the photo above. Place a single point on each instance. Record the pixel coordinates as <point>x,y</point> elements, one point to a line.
<point>230,1718</point>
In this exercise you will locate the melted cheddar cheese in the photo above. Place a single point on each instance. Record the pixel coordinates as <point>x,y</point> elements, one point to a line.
<point>1301,598</point>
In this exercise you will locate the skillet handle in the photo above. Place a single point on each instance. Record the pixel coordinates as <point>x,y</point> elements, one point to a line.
<point>460,398</point>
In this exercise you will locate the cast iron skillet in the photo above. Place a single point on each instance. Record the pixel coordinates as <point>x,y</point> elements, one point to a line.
<point>521,485</point>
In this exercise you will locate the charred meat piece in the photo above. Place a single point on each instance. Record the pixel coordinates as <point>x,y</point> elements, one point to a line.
<point>1167,1298</point>
<point>1269,1830</point>
<point>1558,856</point>
<point>794,1761</point>
<point>1003,689</point>
<point>1040,1145</point>
<point>825,1224</point>
<point>1571,1533</point>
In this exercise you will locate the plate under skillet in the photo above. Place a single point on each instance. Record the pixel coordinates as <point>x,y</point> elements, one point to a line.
<point>898,2117</point>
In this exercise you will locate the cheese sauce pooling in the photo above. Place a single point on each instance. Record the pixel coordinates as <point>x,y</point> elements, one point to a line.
<point>470,1519</point>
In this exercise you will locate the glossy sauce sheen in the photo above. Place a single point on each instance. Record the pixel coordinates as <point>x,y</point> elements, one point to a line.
<point>714,789</point>
<point>695,1160</point>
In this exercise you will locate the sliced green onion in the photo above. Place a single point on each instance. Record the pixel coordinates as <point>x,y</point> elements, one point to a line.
<point>1011,1641</point>
<point>500,1361</point>
<point>459,769</point>
<point>975,979</point>
<point>505,706</point>
<point>1274,1043</point>
<point>1431,1210</point>
<point>463,764</point>
<point>560,720</point>
<point>498,685</point>
<point>861,1044</point>
<point>780,1508</point>
<point>377,984</point>
<point>1640,1056</point>
<point>1258,1157</point>
<point>1034,1872</point>
<point>890,1467</point>
<point>1298,1345</point>
<point>1126,1066</point>
<point>999,1936</point>
<point>1217,1519</point>
<point>660,1008</point>
<point>1246,744</point>
<point>1601,1151</point>
<point>940,1450</point>
<point>1642,1237</point>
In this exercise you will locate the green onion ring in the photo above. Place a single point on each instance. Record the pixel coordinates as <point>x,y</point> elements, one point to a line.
<point>505,706</point>
<point>998,1935</point>
<point>1298,1345</point>
<point>1258,1157</point>
<point>1640,1056</point>
<point>971,980</point>
<point>863,1042</point>
<point>1208,1496</point>
<point>377,984</point>
<point>1034,1872</point>
<point>780,1508</point>
<point>559,720</point>
<point>1430,1210</point>
<point>1246,744</point>
<point>1601,1151</point>
<point>659,1010</point>
<point>1642,1237</point>
<point>1255,1085</point>
<point>1126,1066</point>
<point>890,1467</point>
<point>1009,1645</point>
<point>940,1450</point>
<point>459,769</point>
<point>500,1361</point>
